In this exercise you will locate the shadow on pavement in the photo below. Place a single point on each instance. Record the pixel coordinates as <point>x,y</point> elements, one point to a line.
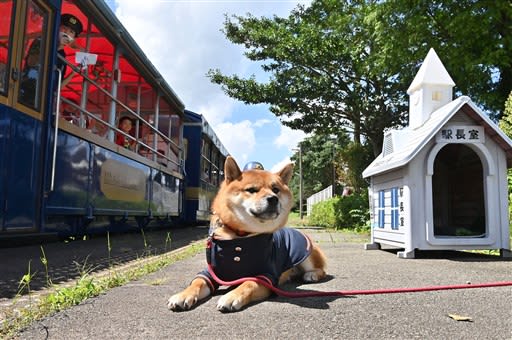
<point>453,255</point>
<point>68,260</point>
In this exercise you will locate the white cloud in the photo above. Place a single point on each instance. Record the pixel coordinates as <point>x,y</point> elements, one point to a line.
<point>289,138</point>
<point>217,109</point>
<point>262,122</point>
<point>183,41</point>
<point>238,138</point>
<point>278,166</point>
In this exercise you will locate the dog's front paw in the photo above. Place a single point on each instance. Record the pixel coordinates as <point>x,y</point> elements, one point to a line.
<point>181,301</point>
<point>230,303</point>
<point>313,275</point>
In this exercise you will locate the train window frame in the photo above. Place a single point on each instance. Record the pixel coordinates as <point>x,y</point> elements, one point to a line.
<point>6,48</point>
<point>17,58</point>
<point>123,88</point>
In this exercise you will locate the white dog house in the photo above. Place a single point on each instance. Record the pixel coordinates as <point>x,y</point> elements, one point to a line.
<point>441,182</point>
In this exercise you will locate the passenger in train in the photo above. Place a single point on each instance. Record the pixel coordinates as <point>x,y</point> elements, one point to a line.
<point>125,125</point>
<point>146,136</point>
<point>30,76</point>
<point>70,29</point>
<point>69,113</point>
<point>4,50</point>
<point>30,82</point>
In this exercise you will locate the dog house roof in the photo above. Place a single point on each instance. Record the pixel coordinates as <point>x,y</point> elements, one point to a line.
<point>401,146</point>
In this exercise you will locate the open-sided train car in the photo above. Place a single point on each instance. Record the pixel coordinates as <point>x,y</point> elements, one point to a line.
<point>82,181</point>
<point>204,164</point>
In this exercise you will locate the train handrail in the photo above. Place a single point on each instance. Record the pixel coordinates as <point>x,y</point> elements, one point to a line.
<point>166,139</point>
<point>56,129</point>
<point>124,106</point>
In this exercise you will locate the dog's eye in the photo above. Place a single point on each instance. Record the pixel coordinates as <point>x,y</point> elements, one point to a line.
<point>275,190</point>
<point>251,190</point>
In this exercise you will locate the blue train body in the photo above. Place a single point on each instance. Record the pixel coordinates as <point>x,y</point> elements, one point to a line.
<point>203,166</point>
<point>86,183</point>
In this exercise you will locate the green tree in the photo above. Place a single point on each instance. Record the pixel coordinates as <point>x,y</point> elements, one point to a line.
<point>341,64</point>
<point>505,124</point>
<point>319,162</point>
<point>320,61</point>
<point>352,161</point>
<point>473,38</point>
<point>506,120</point>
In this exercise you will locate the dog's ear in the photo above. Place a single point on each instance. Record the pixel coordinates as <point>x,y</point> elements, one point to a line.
<point>231,170</point>
<point>286,173</point>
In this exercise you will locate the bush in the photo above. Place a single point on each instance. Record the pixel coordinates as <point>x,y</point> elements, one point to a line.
<point>323,213</point>
<point>350,212</point>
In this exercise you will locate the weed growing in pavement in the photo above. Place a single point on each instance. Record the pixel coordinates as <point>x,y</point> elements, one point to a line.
<point>86,287</point>
<point>168,241</point>
<point>147,246</point>
<point>109,249</point>
<point>25,283</point>
<point>44,261</point>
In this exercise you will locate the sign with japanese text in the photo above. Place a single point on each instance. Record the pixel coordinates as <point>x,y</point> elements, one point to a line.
<point>461,134</point>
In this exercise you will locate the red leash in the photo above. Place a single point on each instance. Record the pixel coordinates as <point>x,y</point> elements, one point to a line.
<point>285,293</point>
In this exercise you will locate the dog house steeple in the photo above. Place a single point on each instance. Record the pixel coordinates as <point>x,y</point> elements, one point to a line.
<point>431,89</point>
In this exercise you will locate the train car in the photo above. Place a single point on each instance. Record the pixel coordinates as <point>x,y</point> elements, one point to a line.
<point>204,164</point>
<point>68,165</point>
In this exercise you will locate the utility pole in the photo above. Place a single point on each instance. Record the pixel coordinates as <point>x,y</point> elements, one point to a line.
<point>301,208</point>
<point>333,169</point>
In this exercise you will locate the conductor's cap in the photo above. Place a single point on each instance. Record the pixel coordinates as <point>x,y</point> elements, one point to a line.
<point>72,22</point>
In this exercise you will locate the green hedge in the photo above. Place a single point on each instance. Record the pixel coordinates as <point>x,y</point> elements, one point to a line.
<point>350,212</point>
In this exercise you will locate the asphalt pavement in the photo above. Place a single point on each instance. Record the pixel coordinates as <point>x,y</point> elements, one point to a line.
<point>138,309</point>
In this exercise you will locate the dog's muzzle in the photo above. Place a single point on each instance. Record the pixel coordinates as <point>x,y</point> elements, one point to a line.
<point>269,210</point>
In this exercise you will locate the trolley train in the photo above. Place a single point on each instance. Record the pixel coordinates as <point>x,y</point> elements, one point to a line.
<point>70,78</point>
<point>204,166</point>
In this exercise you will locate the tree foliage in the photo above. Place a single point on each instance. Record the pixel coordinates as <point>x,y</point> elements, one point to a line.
<point>352,161</point>
<point>320,66</point>
<point>506,125</point>
<point>319,162</point>
<point>347,64</point>
<point>473,38</point>
<point>506,120</point>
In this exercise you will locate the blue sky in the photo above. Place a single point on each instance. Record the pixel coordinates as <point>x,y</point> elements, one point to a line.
<point>183,40</point>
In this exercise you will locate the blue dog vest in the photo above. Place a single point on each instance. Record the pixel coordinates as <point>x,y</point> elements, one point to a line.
<point>267,255</point>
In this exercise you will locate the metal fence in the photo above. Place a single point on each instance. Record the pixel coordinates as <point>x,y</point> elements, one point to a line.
<point>318,197</point>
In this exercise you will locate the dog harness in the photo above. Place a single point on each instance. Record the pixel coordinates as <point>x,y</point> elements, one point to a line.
<point>263,255</point>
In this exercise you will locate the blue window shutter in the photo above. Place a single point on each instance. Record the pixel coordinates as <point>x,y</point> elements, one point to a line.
<point>381,209</point>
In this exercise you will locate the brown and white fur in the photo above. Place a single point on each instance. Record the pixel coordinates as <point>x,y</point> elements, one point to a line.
<point>249,203</point>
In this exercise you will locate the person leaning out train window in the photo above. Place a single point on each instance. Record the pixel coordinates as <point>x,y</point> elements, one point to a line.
<point>70,28</point>
<point>125,125</point>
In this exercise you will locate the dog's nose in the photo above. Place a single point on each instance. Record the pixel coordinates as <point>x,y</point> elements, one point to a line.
<point>272,201</point>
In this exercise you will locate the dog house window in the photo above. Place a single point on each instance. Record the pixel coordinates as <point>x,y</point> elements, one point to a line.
<point>388,213</point>
<point>458,193</point>
<point>394,208</point>
<point>381,209</point>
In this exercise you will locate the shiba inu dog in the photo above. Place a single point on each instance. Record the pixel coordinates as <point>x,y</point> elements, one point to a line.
<point>247,238</point>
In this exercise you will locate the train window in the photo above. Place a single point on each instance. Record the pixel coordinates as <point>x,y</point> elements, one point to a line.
<point>6,17</point>
<point>34,51</point>
<point>206,150</point>
<point>175,140</point>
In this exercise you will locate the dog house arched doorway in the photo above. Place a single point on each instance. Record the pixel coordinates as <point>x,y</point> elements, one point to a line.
<point>458,198</point>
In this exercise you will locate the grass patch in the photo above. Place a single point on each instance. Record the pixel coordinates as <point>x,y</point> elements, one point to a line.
<point>490,252</point>
<point>86,287</point>
<point>295,220</point>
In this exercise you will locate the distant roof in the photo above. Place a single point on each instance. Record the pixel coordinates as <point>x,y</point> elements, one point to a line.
<point>431,72</point>
<point>412,141</point>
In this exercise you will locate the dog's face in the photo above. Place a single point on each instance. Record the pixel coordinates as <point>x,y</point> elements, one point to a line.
<point>253,201</point>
